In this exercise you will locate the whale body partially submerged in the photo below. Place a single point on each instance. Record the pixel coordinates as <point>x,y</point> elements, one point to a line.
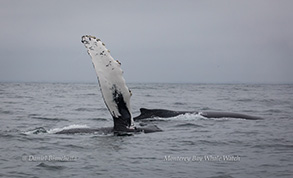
<point>116,95</point>
<point>164,113</point>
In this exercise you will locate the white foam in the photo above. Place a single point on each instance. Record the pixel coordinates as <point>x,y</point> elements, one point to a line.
<point>186,117</point>
<point>30,132</point>
<point>74,126</point>
<point>190,116</point>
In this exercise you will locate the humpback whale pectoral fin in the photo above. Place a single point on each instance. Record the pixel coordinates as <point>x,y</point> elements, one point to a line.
<point>115,93</point>
<point>124,112</point>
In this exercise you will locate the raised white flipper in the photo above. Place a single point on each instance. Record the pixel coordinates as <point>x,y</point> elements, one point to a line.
<point>115,93</point>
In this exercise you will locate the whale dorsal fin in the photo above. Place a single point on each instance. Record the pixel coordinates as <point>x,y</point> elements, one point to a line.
<point>144,110</point>
<point>115,93</point>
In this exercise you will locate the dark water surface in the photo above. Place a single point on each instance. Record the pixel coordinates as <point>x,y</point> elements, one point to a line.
<point>190,146</point>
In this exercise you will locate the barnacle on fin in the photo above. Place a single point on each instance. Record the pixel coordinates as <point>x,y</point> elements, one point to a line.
<point>130,92</point>
<point>118,62</point>
<point>90,36</point>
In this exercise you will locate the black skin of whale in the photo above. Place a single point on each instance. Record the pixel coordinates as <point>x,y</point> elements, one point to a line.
<point>163,113</point>
<point>151,113</point>
<point>122,124</point>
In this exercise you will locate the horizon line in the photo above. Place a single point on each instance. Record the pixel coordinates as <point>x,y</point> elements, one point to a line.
<point>155,82</point>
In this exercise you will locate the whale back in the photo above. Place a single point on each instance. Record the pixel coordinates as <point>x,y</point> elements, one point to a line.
<point>163,113</point>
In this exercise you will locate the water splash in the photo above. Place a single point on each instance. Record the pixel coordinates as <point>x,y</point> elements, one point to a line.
<point>74,126</point>
<point>42,130</point>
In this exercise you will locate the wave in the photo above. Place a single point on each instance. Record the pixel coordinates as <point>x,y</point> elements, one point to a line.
<point>74,126</point>
<point>5,112</point>
<point>98,119</point>
<point>42,130</point>
<point>87,109</point>
<point>189,125</point>
<point>244,100</point>
<point>37,130</point>
<point>276,146</point>
<point>274,111</point>
<point>48,118</point>
<point>50,167</point>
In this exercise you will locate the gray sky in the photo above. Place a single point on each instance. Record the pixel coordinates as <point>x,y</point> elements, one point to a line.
<point>216,41</point>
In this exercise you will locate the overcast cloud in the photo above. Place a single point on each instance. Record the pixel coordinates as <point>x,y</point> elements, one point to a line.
<point>216,41</point>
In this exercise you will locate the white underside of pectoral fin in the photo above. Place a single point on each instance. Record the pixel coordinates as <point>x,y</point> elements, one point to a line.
<point>115,93</point>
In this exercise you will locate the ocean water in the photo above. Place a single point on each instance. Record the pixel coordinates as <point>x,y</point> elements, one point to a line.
<point>189,146</point>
